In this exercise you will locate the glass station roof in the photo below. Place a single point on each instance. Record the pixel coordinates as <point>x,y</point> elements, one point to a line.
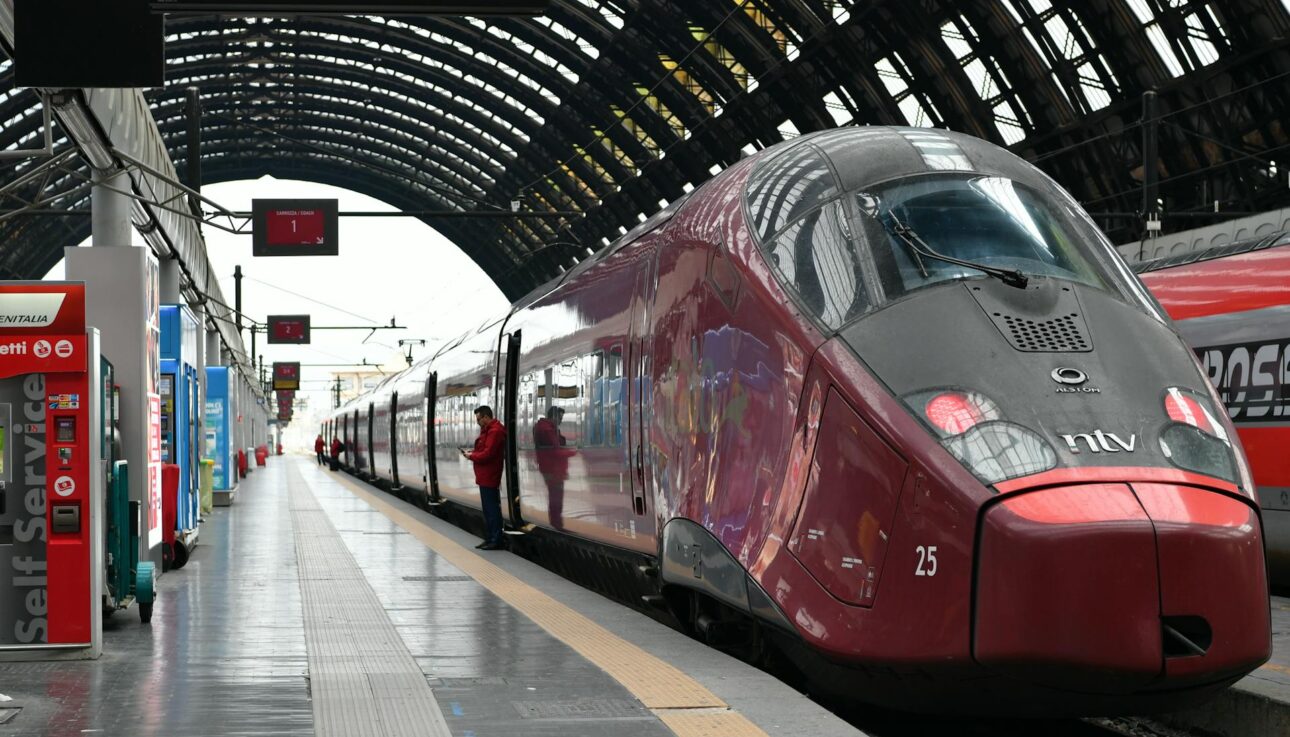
<point>609,111</point>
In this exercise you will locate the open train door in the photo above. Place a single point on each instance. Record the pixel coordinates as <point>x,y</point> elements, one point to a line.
<point>508,362</point>
<point>432,471</point>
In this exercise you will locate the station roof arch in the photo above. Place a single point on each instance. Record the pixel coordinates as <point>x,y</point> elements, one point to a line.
<point>614,108</point>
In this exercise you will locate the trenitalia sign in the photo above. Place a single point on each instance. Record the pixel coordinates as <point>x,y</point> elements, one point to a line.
<point>30,310</point>
<point>46,307</point>
<point>42,328</point>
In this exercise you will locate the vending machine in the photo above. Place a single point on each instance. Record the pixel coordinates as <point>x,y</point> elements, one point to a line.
<point>51,480</point>
<point>180,393</point>
<point>219,431</point>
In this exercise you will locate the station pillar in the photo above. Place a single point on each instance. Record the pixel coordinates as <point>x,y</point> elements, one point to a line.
<point>110,210</point>
<point>123,300</point>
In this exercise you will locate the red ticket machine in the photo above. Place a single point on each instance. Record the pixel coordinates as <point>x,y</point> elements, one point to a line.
<point>51,496</point>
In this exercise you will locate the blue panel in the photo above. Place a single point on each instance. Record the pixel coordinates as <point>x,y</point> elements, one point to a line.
<point>170,331</point>
<point>217,425</point>
<point>182,441</point>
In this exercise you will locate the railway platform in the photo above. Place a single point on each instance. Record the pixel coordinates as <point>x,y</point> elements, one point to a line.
<point>1258,704</point>
<point>317,605</point>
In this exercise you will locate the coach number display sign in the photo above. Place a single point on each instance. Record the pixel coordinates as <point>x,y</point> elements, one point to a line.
<point>294,228</point>
<point>288,329</point>
<point>286,375</point>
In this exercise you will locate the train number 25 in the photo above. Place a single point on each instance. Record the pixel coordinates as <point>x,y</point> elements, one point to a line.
<point>926,560</point>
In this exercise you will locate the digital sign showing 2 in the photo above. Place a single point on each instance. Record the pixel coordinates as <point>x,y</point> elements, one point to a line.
<point>286,375</point>
<point>294,227</point>
<point>288,329</point>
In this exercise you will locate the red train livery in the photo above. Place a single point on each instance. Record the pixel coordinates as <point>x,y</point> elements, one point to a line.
<point>883,402</point>
<point>1232,305</point>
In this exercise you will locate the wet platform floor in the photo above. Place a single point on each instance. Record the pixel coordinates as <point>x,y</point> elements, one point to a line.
<point>390,636</point>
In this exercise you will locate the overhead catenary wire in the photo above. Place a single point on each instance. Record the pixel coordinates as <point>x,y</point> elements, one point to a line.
<point>311,299</point>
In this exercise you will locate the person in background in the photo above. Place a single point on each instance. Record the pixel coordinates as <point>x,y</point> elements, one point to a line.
<point>488,457</point>
<point>336,448</point>
<point>319,447</point>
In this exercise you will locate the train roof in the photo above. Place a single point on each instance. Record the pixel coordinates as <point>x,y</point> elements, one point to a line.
<point>1251,275</point>
<point>1280,238</point>
<point>794,177</point>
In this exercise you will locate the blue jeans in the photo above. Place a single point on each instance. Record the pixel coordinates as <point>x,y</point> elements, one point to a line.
<point>491,499</point>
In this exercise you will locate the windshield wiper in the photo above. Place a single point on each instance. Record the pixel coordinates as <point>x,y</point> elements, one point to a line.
<point>920,249</point>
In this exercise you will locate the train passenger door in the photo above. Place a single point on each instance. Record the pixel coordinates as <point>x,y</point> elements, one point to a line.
<point>508,362</point>
<point>394,439</point>
<point>371,457</point>
<point>432,471</point>
<point>636,375</point>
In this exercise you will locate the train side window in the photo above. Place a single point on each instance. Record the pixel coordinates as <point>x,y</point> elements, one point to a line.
<point>787,186</point>
<point>614,396</point>
<point>595,398</point>
<point>818,259</point>
<point>568,393</point>
<point>530,405</point>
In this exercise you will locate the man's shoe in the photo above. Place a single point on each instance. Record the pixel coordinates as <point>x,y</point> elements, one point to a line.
<point>481,545</point>
<point>490,546</point>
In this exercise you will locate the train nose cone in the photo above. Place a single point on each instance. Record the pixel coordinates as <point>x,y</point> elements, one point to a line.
<point>1118,588</point>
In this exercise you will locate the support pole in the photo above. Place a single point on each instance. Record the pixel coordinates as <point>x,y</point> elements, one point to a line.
<point>253,332</point>
<point>237,299</point>
<point>1150,162</point>
<point>194,152</point>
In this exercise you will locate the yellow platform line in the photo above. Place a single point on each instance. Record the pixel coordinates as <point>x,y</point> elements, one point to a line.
<point>1275,667</point>
<point>680,702</point>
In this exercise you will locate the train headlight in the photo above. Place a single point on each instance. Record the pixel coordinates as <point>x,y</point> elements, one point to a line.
<point>1196,439</point>
<point>971,427</point>
<point>955,412</point>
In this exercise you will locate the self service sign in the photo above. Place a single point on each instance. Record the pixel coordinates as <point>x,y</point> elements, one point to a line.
<point>51,492</point>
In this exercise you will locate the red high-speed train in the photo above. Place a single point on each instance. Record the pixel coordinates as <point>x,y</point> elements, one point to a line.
<point>1232,305</point>
<point>883,402</point>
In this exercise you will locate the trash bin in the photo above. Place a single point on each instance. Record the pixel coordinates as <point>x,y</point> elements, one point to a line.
<point>208,486</point>
<point>261,455</point>
<point>169,513</point>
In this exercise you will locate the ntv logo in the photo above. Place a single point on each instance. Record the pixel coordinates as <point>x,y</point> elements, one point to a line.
<point>1101,442</point>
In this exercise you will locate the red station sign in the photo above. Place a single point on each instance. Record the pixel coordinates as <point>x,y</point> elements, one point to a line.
<point>294,227</point>
<point>288,329</point>
<point>286,375</point>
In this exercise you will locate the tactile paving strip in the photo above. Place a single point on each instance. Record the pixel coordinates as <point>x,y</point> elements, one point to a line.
<point>363,679</point>
<point>687,707</point>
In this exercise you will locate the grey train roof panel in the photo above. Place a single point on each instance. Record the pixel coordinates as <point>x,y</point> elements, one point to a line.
<point>614,108</point>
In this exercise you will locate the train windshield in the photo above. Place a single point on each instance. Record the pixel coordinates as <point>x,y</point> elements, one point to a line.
<point>855,253</point>
<point>992,221</point>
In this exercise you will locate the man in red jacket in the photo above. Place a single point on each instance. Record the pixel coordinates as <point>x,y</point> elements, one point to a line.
<point>318,449</point>
<point>553,461</point>
<point>488,456</point>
